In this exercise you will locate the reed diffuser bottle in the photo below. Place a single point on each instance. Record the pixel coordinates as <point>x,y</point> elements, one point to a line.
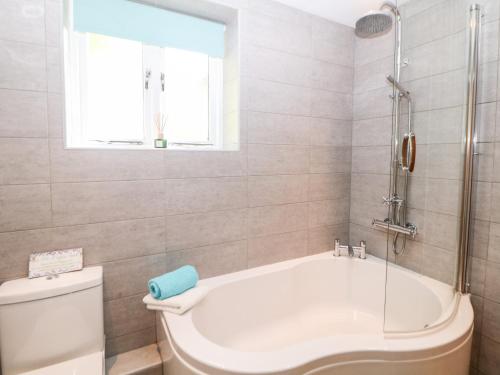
<point>160,122</point>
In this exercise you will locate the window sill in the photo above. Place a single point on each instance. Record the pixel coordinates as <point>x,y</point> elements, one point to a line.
<point>173,147</point>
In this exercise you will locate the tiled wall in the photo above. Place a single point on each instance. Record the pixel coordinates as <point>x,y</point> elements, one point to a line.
<point>140,213</point>
<point>434,42</point>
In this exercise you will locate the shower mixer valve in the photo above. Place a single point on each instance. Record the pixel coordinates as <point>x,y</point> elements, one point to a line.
<point>350,251</point>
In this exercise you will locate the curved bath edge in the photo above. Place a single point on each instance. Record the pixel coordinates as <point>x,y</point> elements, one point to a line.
<point>221,336</point>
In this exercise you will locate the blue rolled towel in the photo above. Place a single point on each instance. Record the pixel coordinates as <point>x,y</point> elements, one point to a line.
<point>173,283</point>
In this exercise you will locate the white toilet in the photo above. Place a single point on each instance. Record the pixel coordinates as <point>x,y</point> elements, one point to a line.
<point>53,326</point>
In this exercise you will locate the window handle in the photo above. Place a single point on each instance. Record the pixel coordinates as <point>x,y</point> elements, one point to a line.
<point>146,79</point>
<point>162,79</point>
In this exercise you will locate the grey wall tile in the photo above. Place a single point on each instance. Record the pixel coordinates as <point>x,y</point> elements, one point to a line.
<point>276,248</point>
<point>130,341</point>
<point>22,66</point>
<point>211,260</point>
<point>55,115</point>
<point>16,121</point>
<point>372,50</point>
<point>280,11</point>
<point>22,21</point>
<point>24,207</point>
<point>329,186</point>
<point>372,159</point>
<point>80,165</point>
<point>204,194</point>
<point>53,22</point>
<point>54,70</point>
<point>24,161</point>
<point>195,230</point>
<point>127,315</point>
<point>372,76</point>
<point>277,66</point>
<point>327,76</point>
<point>328,212</point>
<point>270,32</point>
<point>91,202</point>
<point>489,359</point>
<point>372,104</point>
<point>270,128</point>
<point>331,104</point>
<point>269,190</point>
<point>277,159</point>
<point>328,159</point>
<point>266,96</point>
<point>187,164</point>
<point>269,220</point>
<point>118,282</point>
<point>330,132</point>
<point>321,239</point>
<point>372,132</point>
<point>332,43</point>
<point>491,320</point>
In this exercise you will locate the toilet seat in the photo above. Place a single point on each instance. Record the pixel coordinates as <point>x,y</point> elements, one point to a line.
<point>86,365</point>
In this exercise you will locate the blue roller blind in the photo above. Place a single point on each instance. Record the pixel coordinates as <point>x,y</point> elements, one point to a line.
<point>150,25</point>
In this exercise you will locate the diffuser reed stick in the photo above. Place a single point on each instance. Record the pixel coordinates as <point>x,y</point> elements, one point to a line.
<point>160,121</point>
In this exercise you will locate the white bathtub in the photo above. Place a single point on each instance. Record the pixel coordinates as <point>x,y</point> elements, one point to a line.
<point>320,315</point>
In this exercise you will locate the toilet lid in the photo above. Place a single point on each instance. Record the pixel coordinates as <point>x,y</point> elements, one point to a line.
<point>89,364</point>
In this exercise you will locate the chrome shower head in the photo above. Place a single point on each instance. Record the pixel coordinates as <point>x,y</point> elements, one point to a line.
<point>373,24</point>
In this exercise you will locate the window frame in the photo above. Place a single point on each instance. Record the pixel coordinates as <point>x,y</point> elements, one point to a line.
<point>75,133</point>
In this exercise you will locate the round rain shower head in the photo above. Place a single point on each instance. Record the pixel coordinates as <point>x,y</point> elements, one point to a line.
<point>373,24</point>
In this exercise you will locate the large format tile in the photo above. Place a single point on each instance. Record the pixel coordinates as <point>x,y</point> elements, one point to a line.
<point>91,202</point>
<point>130,341</point>
<point>266,96</point>
<point>183,196</point>
<point>332,42</point>
<point>270,128</point>
<point>269,220</point>
<point>22,21</point>
<point>126,315</point>
<point>280,189</point>
<point>101,242</point>
<point>492,282</point>
<point>211,260</point>
<point>329,159</point>
<point>277,66</point>
<point>331,104</point>
<point>22,66</point>
<point>195,230</point>
<point>24,207</point>
<point>277,159</point>
<point>24,161</point>
<point>327,76</point>
<point>103,165</point>
<point>270,32</point>
<point>23,114</point>
<point>330,132</point>
<point>276,248</point>
<point>187,164</point>
<point>328,186</point>
<point>118,282</point>
<point>321,239</point>
<point>328,212</point>
<point>489,358</point>
<point>491,320</point>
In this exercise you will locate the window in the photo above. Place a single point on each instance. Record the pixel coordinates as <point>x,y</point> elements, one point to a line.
<point>119,83</point>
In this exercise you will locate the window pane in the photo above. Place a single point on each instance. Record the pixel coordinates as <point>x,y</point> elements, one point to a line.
<point>186,99</point>
<point>112,89</point>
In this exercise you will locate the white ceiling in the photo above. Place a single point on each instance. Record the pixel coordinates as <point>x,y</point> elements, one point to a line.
<point>342,11</point>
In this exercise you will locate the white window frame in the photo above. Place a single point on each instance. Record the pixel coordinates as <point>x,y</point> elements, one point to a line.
<point>75,60</point>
